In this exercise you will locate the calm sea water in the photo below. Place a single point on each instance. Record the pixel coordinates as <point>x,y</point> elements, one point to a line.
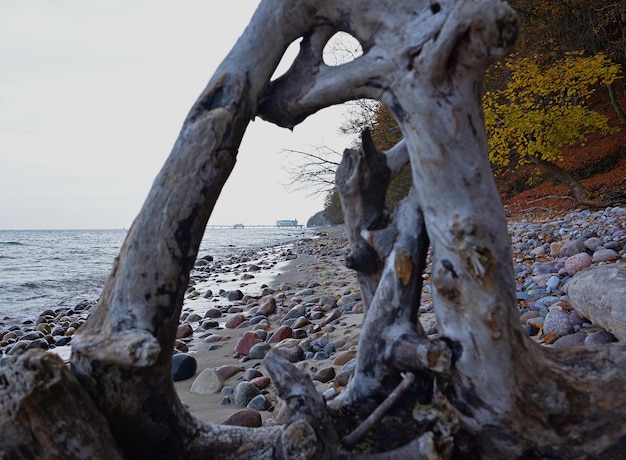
<point>42,269</point>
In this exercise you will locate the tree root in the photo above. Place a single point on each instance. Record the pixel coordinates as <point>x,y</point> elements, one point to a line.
<point>351,440</point>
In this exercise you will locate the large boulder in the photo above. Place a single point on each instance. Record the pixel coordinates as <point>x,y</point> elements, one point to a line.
<point>599,294</point>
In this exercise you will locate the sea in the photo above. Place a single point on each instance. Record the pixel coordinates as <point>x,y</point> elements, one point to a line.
<point>41,269</point>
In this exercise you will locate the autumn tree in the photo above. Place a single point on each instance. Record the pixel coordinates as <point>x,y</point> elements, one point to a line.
<point>552,29</point>
<point>545,108</point>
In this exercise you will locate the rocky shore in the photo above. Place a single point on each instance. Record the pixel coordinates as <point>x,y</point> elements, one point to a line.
<point>301,300</point>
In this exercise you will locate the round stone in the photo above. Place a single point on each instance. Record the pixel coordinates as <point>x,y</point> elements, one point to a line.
<point>61,341</point>
<point>556,322</point>
<point>553,283</point>
<point>259,403</point>
<point>213,313</point>
<point>184,330</point>
<point>259,350</point>
<point>38,343</point>
<point>577,263</point>
<point>603,255</point>
<point>320,355</point>
<point>234,321</point>
<point>194,318</point>
<point>246,342</point>
<point>319,344</point>
<point>184,366</point>
<point>248,418</point>
<point>325,374</point>
<point>599,337</point>
<point>244,393</point>
<point>568,341</point>
<point>571,248</point>
<point>233,295</point>
<point>283,332</point>
<point>250,374</point>
<point>592,243</point>
<point>207,382</point>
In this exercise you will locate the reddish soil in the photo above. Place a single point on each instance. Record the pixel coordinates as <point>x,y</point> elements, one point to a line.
<point>600,163</point>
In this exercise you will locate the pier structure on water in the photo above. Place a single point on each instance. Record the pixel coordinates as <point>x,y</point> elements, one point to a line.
<point>279,224</point>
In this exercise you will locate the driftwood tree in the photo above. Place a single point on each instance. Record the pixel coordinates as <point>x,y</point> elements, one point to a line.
<point>482,391</point>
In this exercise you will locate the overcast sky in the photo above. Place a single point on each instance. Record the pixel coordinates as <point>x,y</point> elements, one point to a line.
<point>93,94</point>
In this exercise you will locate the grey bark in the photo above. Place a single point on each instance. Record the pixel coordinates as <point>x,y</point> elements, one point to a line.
<point>483,390</point>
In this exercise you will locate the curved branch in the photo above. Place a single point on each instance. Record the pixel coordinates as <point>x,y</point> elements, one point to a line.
<point>310,85</point>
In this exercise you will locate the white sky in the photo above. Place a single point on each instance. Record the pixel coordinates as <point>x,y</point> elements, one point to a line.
<point>93,94</point>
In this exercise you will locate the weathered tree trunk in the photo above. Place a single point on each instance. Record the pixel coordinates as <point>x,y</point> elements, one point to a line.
<point>615,104</point>
<point>581,194</point>
<point>483,390</point>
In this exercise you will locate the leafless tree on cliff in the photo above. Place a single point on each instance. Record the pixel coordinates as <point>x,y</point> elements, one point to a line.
<point>482,391</point>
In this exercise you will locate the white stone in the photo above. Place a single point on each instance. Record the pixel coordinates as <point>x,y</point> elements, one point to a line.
<point>208,382</point>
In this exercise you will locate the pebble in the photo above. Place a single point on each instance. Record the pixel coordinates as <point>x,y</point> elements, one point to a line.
<point>267,306</point>
<point>184,330</point>
<point>325,374</point>
<point>234,321</point>
<point>244,393</point>
<point>599,337</point>
<point>577,263</point>
<point>184,366</point>
<point>556,322</point>
<point>259,403</point>
<point>576,240</point>
<point>259,350</point>
<point>207,382</point>
<point>280,334</point>
<point>261,382</point>
<point>245,342</point>
<point>571,340</point>
<point>250,374</point>
<point>603,255</point>
<point>547,251</point>
<point>246,418</point>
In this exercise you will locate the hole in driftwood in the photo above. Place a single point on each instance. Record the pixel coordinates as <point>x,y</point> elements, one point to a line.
<point>341,49</point>
<point>287,60</point>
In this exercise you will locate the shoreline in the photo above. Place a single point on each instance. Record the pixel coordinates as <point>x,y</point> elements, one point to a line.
<point>299,296</point>
<point>315,275</point>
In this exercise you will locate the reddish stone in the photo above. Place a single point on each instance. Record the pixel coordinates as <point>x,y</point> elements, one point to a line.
<point>245,342</point>
<point>260,382</point>
<point>248,418</point>
<point>184,330</point>
<point>228,370</point>
<point>280,334</point>
<point>181,346</point>
<point>213,313</point>
<point>577,263</point>
<point>344,357</point>
<point>267,306</point>
<point>234,321</point>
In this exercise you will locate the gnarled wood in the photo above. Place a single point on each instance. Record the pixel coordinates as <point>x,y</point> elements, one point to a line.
<point>482,391</point>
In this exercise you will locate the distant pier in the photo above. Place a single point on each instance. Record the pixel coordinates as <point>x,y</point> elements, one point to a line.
<point>279,224</point>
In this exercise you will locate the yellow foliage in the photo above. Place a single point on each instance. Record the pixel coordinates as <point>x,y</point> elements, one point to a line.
<point>542,110</point>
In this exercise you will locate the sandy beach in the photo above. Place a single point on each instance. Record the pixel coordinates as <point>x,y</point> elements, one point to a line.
<point>299,297</point>
<point>316,268</point>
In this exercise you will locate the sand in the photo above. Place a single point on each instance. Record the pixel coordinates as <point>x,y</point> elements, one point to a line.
<point>322,261</point>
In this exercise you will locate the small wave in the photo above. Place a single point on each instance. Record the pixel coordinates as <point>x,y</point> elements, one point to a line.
<point>12,243</point>
<point>30,285</point>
